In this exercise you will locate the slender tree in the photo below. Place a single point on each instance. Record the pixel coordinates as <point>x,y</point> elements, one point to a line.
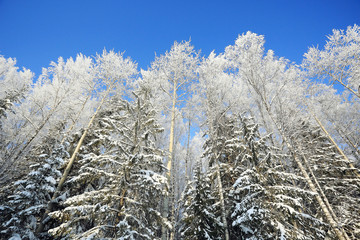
<point>171,75</point>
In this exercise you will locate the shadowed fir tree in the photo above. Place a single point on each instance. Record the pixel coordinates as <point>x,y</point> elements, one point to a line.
<point>199,220</point>
<point>32,194</point>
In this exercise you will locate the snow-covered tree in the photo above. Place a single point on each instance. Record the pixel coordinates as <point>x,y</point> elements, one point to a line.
<point>29,201</point>
<point>265,205</point>
<point>116,186</point>
<point>339,61</point>
<point>171,76</point>
<point>338,183</point>
<point>199,219</point>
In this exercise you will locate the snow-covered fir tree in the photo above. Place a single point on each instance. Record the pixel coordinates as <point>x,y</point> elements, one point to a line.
<point>117,185</point>
<point>32,194</point>
<point>336,179</point>
<point>268,201</point>
<point>199,219</point>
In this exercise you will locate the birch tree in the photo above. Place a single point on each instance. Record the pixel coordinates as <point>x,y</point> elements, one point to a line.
<point>339,61</point>
<point>49,108</point>
<point>171,76</point>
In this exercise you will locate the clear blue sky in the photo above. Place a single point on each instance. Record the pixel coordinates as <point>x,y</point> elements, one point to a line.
<point>37,32</point>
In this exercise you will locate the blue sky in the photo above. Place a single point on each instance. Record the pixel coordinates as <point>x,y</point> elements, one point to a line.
<point>37,32</point>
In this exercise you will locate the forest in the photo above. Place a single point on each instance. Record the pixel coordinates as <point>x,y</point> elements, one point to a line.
<point>241,144</point>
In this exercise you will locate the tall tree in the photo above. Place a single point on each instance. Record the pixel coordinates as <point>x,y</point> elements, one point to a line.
<point>171,75</point>
<point>118,184</point>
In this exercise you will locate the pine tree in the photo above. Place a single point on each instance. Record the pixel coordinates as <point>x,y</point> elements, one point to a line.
<point>199,219</point>
<point>32,194</point>
<point>220,151</point>
<point>338,182</point>
<point>116,186</point>
<point>268,202</point>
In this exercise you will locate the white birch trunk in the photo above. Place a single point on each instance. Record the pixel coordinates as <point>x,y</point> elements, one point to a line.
<point>335,144</point>
<point>71,161</point>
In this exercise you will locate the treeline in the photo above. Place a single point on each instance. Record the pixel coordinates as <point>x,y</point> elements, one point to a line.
<point>237,145</point>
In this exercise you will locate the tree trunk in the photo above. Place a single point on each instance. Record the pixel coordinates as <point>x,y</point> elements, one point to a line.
<point>169,167</point>
<point>187,154</point>
<point>337,146</point>
<point>324,196</point>
<point>70,163</point>
<point>333,224</point>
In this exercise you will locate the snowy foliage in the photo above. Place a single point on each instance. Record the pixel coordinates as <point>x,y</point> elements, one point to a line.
<point>339,61</point>
<point>200,220</point>
<point>118,184</point>
<point>32,195</point>
<point>280,156</point>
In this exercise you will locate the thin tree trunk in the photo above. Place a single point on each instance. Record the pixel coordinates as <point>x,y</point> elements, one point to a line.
<point>335,144</point>
<point>172,127</point>
<point>187,154</point>
<point>70,163</point>
<point>335,79</point>
<point>169,167</point>
<point>333,224</point>
<point>350,89</point>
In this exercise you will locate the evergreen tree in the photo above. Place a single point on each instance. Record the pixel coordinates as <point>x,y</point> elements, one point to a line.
<point>116,186</point>
<point>199,219</point>
<point>265,204</point>
<point>31,196</point>
<point>338,182</point>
